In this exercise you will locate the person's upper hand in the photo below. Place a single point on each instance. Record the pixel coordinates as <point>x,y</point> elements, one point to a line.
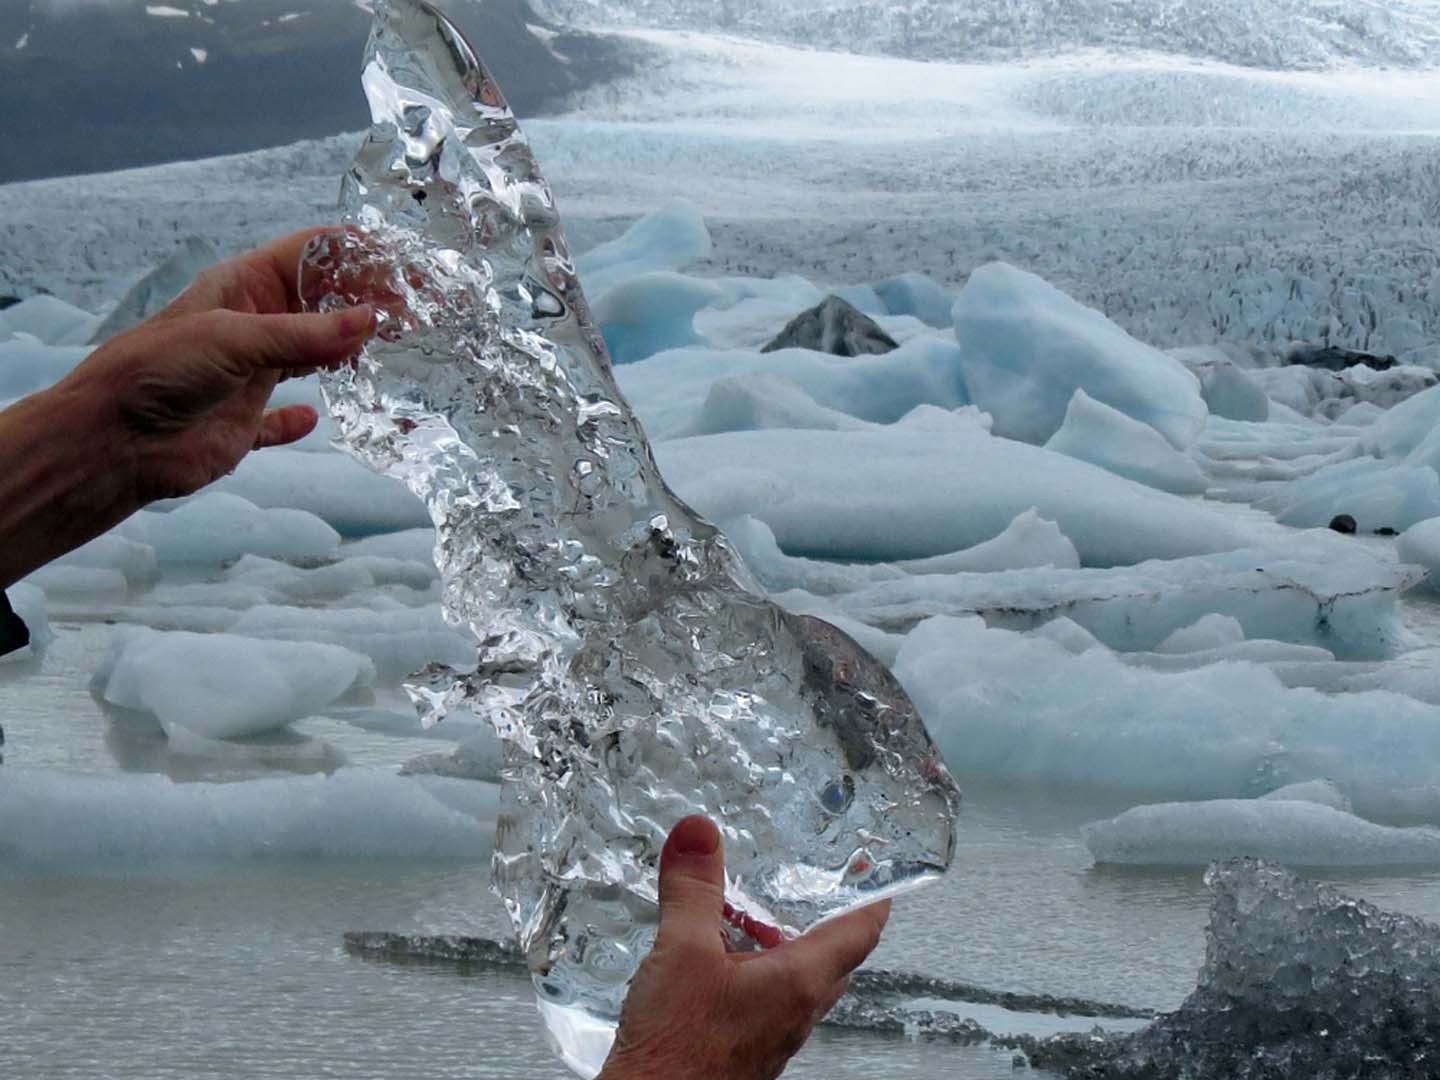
<point>166,407</point>
<point>697,1012</point>
<point>188,388</point>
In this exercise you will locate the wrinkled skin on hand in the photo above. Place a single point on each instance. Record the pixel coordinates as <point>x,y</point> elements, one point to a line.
<point>697,1012</point>
<point>166,407</point>
<point>189,387</point>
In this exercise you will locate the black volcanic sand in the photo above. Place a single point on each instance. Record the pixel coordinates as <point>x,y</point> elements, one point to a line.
<point>103,87</point>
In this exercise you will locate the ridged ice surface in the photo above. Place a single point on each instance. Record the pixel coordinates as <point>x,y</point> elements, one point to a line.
<point>1299,980</point>
<point>633,669</point>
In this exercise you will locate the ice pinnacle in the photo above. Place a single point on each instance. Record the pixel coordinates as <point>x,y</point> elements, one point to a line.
<point>632,667</point>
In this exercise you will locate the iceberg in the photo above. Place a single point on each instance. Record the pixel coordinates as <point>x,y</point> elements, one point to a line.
<point>1320,595</point>
<point>651,313</point>
<point>670,238</point>
<point>634,670</point>
<point>908,491</point>
<point>1028,347</point>
<point>671,392</point>
<point>1292,831</point>
<point>147,823</point>
<point>1103,436</point>
<point>1026,707</point>
<point>216,527</point>
<point>221,686</point>
<point>1419,545</point>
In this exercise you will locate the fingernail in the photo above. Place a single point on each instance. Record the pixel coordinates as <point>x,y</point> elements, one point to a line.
<point>695,835</point>
<point>356,321</point>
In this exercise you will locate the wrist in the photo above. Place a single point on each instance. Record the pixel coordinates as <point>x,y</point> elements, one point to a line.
<point>67,474</point>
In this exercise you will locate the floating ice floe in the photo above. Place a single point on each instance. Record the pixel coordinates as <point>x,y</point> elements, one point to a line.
<point>672,392</point>
<point>1329,394</point>
<point>28,603</point>
<point>216,527</point>
<point>642,316</point>
<point>1229,390</point>
<point>1320,594</point>
<point>142,822</point>
<point>1106,437</point>
<point>1024,706</point>
<point>221,686</point>
<point>50,320</point>
<point>1028,347</point>
<point>398,639</point>
<point>1287,829</point>
<point>919,295</point>
<point>1028,541</point>
<point>28,365</point>
<point>1382,474</point>
<point>1419,545</point>
<point>351,499</point>
<point>912,491</point>
<point>669,238</point>
<point>1299,980</point>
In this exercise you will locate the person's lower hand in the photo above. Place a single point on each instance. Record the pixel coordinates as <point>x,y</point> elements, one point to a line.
<point>187,390</point>
<point>697,1012</point>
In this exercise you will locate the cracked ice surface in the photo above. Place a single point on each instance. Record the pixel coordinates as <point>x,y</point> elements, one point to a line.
<point>1298,980</point>
<point>634,670</point>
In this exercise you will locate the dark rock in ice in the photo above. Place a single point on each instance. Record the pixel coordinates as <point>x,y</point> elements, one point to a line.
<point>1335,358</point>
<point>1343,523</point>
<point>1299,980</point>
<point>157,288</point>
<point>435,948</point>
<point>1386,530</point>
<point>8,302</point>
<point>833,326</point>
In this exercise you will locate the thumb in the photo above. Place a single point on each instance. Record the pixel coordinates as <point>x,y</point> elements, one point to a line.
<point>692,887</point>
<point>298,342</point>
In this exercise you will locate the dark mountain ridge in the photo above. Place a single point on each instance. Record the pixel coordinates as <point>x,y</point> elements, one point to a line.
<point>95,86</point>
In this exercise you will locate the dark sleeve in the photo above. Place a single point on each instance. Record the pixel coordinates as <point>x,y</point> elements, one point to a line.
<point>14,634</point>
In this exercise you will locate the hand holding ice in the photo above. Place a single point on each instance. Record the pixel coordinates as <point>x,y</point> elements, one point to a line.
<point>634,670</point>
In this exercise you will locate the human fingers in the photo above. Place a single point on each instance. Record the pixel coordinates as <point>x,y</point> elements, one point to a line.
<point>692,888</point>
<point>287,424</point>
<point>280,259</point>
<point>835,948</point>
<point>265,279</point>
<point>296,344</point>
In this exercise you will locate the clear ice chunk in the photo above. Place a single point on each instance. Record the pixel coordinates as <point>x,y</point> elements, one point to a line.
<point>1299,980</point>
<point>632,667</point>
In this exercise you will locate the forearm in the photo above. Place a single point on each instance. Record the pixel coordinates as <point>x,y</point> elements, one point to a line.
<point>65,477</point>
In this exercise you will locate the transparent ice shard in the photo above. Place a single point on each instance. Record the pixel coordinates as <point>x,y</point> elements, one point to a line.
<point>632,667</point>
<point>1299,980</point>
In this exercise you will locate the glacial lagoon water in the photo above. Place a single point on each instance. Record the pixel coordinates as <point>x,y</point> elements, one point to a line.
<point>195,968</point>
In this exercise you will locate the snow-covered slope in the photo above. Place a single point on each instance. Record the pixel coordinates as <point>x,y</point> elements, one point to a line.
<point>112,83</point>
